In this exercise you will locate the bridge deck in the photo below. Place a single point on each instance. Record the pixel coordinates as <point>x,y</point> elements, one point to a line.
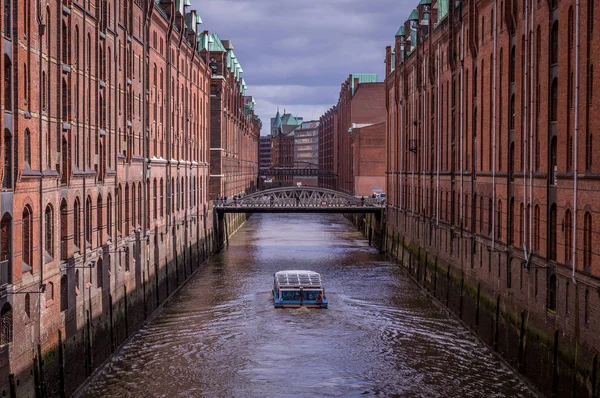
<point>297,209</point>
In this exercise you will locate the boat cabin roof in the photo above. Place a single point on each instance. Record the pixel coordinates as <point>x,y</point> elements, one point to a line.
<point>298,278</point>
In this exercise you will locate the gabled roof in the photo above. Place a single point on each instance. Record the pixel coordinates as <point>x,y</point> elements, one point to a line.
<point>211,42</point>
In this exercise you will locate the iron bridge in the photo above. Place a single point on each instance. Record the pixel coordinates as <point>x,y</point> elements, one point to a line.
<point>299,200</point>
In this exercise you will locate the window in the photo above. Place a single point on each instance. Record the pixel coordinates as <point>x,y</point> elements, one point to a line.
<point>27,239</point>
<point>100,273</point>
<point>554,44</point>
<point>7,181</point>
<point>109,215</point>
<point>552,237</point>
<point>7,83</point>
<point>88,220</point>
<point>161,198</point>
<point>568,237</point>
<point>7,18</point>
<point>99,220</point>
<point>126,198</point>
<point>490,210</point>
<point>511,66</point>
<point>64,293</point>
<point>6,316</point>
<point>154,200</point>
<point>49,241</point>
<point>587,241</point>
<point>76,225</point>
<point>521,227</point>
<point>570,27</point>
<point>590,84</point>
<point>553,161</point>
<point>27,149</point>
<point>63,230</point>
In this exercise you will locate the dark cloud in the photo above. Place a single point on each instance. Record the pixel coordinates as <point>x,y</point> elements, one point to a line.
<point>295,54</point>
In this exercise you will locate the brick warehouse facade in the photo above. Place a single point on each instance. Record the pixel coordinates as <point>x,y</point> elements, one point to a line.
<point>491,173</point>
<point>361,102</point>
<point>235,130</point>
<point>105,203</point>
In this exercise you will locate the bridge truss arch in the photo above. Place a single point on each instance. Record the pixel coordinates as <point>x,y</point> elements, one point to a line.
<point>299,199</point>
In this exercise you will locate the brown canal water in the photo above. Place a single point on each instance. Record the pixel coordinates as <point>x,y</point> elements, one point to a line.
<point>220,335</point>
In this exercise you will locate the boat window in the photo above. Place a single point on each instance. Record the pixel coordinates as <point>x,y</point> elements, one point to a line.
<point>290,295</point>
<point>310,294</point>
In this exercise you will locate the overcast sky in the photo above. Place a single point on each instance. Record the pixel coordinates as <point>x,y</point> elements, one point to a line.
<point>296,53</point>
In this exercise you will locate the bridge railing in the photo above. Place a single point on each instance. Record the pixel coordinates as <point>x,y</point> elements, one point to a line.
<point>269,201</point>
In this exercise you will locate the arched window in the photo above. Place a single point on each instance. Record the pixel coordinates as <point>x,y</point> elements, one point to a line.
<point>7,181</point>
<point>587,241</point>
<point>27,149</point>
<point>99,221</point>
<point>554,101</point>
<point>76,225</point>
<point>27,239</point>
<point>554,44</point>
<point>511,65</point>
<point>154,200</point>
<point>119,202</point>
<point>88,220</point>
<point>100,272</point>
<point>109,215</point>
<point>552,237</point>
<point>511,222</point>
<point>568,237</point>
<point>126,198</point>
<point>49,241</point>
<point>133,205</point>
<point>64,293</point>
<point>7,83</point>
<point>511,113</point>
<point>6,317</point>
<point>161,198</point>
<point>63,230</point>
<point>552,293</point>
<point>6,248</point>
<point>140,202</point>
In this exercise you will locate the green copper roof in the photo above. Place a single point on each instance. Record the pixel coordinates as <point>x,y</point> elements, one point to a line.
<point>401,31</point>
<point>215,44</point>
<point>362,78</point>
<point>187,3</point>
<point>198,19</point>
<point>277,121</point>
<point>442,9</point>
<point>414,15</point>
<point>425,3</point>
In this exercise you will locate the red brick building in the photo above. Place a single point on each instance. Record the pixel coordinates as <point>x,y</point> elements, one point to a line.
<point>283,144</point>
<point>105,206</point>
<point>490,162</point>
<point>368,158</point>
<point>362,102</point>
<point>234,128</point>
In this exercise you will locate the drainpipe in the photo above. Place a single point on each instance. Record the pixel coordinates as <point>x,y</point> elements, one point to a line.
<point>462,105</point>
<point>531,143</point>
<point>41,31</point>
<point>413,163</point>
<point>424,131</point>
<point>462,82</point>
<point>575,147</point>
<point>401,139</point>
<point>493,209</point>
<point>437,193</point>
<point>525,110</point>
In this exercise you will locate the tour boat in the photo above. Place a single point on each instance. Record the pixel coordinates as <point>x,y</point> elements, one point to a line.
<point>298,288</point>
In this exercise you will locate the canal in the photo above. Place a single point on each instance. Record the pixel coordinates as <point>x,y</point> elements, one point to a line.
<point>220,335</point>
